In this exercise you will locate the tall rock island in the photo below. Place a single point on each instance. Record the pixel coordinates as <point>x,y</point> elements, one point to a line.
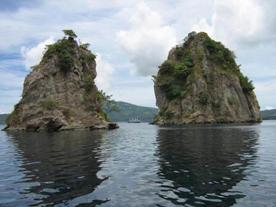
<point>200,82</point>
<point>60,92</point>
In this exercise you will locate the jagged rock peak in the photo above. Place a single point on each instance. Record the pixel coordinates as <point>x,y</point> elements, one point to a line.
<point>60,92</point>
<point>200,82</point>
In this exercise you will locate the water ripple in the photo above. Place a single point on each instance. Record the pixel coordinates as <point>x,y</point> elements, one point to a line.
<point>141,165</point>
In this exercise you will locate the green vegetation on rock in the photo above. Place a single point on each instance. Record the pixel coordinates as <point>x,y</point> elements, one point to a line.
<point>65,50</point>
<point>70,33</point>
<point>165,114</point>
<point>173,74</point>
<point>87,57</point>
<point>203,98</point>
<point>220,54</point>
<point>60,92</point>
<point>226,58</point>
<point>108,105</point>
<point>85,45</point>
<point>246,84</point>
<point>200,82</point>
<point>88,83</point>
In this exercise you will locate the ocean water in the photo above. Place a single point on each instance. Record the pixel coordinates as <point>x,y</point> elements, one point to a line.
<point>141,165</point>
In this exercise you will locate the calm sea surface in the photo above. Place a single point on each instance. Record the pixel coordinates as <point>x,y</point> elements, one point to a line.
<point>141,165</point>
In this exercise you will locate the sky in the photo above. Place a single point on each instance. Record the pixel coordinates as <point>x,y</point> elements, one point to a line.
<point>133,37</point>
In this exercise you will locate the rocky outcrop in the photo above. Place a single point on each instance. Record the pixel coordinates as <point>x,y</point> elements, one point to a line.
<point>60,92</point>
<point>200,82</point>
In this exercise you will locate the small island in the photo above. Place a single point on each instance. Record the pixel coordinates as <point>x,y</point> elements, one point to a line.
<point>201,83</point>
<point>60,92</point>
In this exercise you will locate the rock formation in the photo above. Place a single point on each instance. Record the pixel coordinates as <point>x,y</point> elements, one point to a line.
<point>60,92</point>
<point>200,82</point>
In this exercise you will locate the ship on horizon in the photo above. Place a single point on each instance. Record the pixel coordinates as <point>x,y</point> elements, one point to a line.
<point>134,120</point>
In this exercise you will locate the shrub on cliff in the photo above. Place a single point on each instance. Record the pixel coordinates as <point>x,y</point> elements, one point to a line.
<point>88,83</point>
<point>181,70</point>
<point>203,98</point>
<point>70,33</point>
<point>246,84</point>
<point>174,74</point>
<point>108,103</point>
<point>64,49</point>
<point>220,54</point>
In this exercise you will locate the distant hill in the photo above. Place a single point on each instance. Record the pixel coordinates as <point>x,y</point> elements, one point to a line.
<point>127,111</point>
<point>145,114</point>
<point>269,114</point>
<point>3,118</point>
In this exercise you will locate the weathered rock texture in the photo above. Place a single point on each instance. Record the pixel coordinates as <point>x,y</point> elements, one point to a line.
<point>60,92</point>
<point>200,82</point>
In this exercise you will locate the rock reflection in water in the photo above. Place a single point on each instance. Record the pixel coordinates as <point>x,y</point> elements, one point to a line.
<point>200,166</point>
<point>59,166</point>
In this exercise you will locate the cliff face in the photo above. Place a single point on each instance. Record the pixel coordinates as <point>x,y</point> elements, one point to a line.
<point>60,92</point>
<point>200,82</point>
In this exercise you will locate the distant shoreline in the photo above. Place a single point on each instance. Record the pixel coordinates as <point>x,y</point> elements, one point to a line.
<point>150,111</point>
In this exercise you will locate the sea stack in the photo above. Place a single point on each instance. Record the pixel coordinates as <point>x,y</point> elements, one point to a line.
<point>60,92</point>
<point>200,83</point>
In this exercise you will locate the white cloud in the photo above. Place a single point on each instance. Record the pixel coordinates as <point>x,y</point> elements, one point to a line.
<point>269,108</point>
<point>234,22</point>
<point>139,92</point>
<point>145,34</point>
<point>104,74</point>
<point>147,41</point>
<point>33,55</point>
<point>203,25</point>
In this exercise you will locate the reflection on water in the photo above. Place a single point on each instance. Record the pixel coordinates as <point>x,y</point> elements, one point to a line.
<point>140,165</point>
<point>58,167</point>
<point>199,166</point>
